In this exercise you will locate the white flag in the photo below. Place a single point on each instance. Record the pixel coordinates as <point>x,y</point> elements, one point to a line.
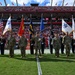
<point>8,26</point>
<point>73,28</point>
<point>65,27</point>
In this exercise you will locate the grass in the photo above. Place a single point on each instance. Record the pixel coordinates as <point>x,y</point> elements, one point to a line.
<point>18,66</point>
<point>50,65</point>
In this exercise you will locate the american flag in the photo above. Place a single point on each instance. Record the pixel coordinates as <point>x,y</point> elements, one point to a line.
<point>1,26</point>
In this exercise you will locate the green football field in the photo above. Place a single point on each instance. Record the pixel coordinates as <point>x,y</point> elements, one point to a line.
<point>50,65</point>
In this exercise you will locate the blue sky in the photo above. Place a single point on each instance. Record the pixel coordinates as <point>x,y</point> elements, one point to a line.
<point>41,2</point>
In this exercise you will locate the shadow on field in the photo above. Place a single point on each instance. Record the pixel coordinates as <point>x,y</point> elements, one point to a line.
<point>62,58</point>
<point>56,60</point>
<point>44,58</point>
<point>4,55</point>
<point>18,57</point>
<point>26,58</point>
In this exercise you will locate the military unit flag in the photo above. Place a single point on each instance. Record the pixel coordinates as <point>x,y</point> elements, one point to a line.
<point>8,26</point>
<point>65,27</point>
<point>73,27</point>
<point>21,29</point>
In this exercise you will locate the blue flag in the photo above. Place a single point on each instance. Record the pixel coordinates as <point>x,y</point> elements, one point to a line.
<point>41,25</point>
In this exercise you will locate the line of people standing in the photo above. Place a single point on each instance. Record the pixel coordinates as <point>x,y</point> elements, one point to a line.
<point>65,41</point>
<point>37,42</point>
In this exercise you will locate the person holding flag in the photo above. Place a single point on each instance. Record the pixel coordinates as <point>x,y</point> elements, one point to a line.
<point>42,37</point>
<point>11,44</point>
<point>67,43</point>
<point>31,32</point>
<point>67,39</point>
<point>11,41</point>
<point>23,40</point>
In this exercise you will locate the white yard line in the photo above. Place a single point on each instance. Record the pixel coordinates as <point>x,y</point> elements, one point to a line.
<point>38,66</point>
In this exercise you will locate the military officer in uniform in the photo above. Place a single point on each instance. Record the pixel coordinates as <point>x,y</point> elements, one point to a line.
<point>67,42</point>
<point>56,44</point>
<point>37,44</point>
<point>23,45</point>
<point>11,44</point>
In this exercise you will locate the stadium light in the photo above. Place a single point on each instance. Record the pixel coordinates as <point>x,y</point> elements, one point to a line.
<point>5,2</point>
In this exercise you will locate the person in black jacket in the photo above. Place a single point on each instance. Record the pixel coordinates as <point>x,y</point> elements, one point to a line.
<point>2,44</point>
<point>42,44</point>
<point>73,44</point>
<point>62,43</point>
<point>32,42</point>
<point>51,43</point>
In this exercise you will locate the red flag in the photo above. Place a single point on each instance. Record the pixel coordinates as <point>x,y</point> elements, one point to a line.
<point>21,29</point>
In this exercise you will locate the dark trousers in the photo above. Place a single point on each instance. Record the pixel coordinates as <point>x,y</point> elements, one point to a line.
<point>67,50</point>
<point>73,48</point>
<point>57,52</point>
<point>51,49</point>
<point>11,52</point>
<point>62,49</point>
<point>32,49</point>
<point>2,49</point>
<point>42,48</point>
<point>23,52</point>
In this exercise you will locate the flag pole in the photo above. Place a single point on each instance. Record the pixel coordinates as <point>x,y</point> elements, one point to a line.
<point>51,2</point>
<point>41,18</point>
<point>63,3</point>
<point>2,15</point>
<point>51,26</point>
<point>73,2</point>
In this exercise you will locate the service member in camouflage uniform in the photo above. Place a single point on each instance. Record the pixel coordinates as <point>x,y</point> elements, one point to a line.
<point>67,42</point>
<point>22,45</point>
<point>37,44</point>
<point>56,44</point>
<point>11,44</point>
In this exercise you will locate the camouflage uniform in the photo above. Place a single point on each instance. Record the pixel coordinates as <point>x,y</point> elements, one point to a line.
<point>22,45</point>
<point>37,45</point>
<point>11,44</point>
<point>56,45</point>
<point>67,42</point>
